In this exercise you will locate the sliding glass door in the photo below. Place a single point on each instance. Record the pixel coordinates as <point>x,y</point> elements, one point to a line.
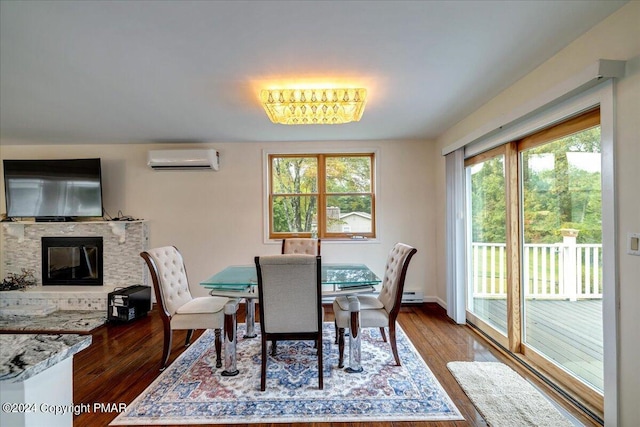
<point>487,233</point>
<point>562,249</point>
<point>534,251</point>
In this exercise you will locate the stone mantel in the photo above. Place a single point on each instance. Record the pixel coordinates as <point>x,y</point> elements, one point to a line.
<point>119,228</point>
<point>122,265</point>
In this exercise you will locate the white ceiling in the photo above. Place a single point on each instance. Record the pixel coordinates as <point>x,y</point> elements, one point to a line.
<point>143,71</point>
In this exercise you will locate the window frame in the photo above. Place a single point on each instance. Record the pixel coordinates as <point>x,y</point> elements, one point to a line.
<point>321,194</point>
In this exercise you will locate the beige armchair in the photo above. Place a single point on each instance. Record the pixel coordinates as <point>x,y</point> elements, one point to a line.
<point>376,312</point>
<point>305,246</point>
<point>289,293</point>
<point>178,309</point>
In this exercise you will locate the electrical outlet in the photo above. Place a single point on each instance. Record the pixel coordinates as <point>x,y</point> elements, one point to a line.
<point>633,244</point>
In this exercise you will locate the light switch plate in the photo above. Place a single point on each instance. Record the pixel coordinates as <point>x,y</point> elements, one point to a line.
<point>633,244</point>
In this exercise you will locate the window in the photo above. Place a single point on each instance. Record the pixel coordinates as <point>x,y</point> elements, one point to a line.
<point>342,185</point>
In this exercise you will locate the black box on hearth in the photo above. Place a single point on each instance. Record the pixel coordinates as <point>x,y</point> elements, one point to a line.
<point>127,304</point>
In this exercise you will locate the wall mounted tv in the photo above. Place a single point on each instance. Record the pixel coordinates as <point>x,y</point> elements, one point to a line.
<point>53,190</point>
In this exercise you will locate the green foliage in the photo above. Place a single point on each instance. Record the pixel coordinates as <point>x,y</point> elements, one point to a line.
<point>488,202</point>
<point>294,213</point>
<point>348,174</point>
<point>295,189</point>
<point>296,179</point>
<point>560,193</point>
<point>351,203</point>
<point>561,188</point>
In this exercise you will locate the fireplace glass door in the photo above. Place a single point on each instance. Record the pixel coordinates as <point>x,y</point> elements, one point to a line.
<point>72,261</point>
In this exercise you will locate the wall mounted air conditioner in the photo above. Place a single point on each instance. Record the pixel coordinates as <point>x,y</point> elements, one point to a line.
<point>190,159</point>
<point>412,297</point>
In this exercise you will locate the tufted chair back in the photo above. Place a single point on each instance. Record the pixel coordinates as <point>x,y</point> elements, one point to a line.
<point>394,274</point>
<point>289,289</point>
<point>169,278</point>
<point>290,296</point>
<point>303,246</point>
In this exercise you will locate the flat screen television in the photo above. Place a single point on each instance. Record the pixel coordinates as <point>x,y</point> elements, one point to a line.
<point>53,190</point>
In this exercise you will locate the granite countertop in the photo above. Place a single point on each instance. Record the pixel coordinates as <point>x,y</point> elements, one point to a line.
<point>71,321</point>
<point>23,356</point>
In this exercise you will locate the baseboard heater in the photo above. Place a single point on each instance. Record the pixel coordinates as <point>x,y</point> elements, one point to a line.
<point>412,297</point>
<point>408,297</point>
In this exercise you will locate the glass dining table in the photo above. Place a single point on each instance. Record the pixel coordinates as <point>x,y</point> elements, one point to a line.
<point>338,279</point>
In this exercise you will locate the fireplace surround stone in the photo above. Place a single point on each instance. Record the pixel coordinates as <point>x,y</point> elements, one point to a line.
<point>122,265</point>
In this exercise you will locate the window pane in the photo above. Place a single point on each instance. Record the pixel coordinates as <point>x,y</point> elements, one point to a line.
<point>294,175</point>
<point>562,253</point>
<point>294,214</point>
<point>487,259</point>
<point>349,214</point>
<point>348,174</point>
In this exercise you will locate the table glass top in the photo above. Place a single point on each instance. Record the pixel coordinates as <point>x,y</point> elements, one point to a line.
<point>238,277</point>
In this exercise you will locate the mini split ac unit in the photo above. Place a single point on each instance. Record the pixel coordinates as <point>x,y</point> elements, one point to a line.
<point>205,159</point>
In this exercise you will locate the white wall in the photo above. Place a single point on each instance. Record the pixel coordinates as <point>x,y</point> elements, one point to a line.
<point>617,37</point>
<point>216,218</point>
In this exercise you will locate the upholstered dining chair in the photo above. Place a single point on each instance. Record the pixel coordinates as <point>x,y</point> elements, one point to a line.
<point>381,311</point>
<point>289,294</point>
<point>296,245</point>
<point>178,308</point>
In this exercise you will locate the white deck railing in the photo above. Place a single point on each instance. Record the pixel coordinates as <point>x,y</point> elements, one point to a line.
<point>553,271</point>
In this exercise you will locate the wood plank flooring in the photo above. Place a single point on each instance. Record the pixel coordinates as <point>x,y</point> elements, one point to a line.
<point>123,360</point>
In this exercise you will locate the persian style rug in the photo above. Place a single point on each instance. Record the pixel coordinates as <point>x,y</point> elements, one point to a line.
<point>192,391</point>
<point>504,398</point>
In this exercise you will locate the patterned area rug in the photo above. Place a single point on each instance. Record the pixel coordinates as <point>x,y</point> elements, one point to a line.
<point>192,391</point>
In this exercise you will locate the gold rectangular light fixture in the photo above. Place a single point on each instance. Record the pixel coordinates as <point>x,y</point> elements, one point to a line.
<point>313,106</point>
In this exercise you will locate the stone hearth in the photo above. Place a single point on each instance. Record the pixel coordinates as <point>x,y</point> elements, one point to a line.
<point>123,266</point>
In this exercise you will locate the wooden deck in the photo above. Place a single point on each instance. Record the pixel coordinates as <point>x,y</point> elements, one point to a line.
<point>567,332</point>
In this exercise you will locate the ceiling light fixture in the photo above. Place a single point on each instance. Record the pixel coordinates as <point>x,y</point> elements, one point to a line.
<point>313,106</point>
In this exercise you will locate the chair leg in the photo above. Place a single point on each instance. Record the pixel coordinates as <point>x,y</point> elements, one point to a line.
<point>320,362</point>
<point>394,347</point>
<point>384,336</point>
<point>263,366</point>
<point>335,325</point>
<point>274,347</point>
<point>187,341</point>
<point>340,337</point>
<point>166,348</point>
<point>218,344</point>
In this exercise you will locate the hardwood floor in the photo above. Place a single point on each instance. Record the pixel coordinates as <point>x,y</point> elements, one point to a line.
<point>124,359</point>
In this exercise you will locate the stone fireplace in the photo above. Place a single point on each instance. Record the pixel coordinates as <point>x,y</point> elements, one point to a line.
<point>121,265</point>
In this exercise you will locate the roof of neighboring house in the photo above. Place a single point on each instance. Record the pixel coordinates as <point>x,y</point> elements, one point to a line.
<point>362,214</point>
